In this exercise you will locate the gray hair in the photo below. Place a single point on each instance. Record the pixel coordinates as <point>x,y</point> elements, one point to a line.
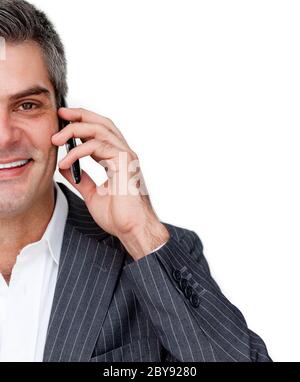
<point>20,21</point>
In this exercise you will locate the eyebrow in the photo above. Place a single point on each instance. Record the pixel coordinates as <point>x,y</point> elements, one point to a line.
<point>36,90</point>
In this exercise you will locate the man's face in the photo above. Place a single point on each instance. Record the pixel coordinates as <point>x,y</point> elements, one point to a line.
<point>27,123</point>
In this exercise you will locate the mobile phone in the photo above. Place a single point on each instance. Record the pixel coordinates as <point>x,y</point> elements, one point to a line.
<point>71,144</point>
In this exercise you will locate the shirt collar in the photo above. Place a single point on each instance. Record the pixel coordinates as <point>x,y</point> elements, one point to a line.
<point>55,229</point>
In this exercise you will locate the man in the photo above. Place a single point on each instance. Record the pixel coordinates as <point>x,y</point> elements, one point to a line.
<point>98,279</point>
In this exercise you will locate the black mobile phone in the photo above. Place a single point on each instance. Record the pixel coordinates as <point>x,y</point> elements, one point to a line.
<point>71,144</point>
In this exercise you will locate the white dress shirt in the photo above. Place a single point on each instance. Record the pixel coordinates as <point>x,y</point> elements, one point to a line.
<point>25,304</point>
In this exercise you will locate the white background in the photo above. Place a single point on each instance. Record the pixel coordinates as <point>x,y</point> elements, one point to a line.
<point>207,93</point>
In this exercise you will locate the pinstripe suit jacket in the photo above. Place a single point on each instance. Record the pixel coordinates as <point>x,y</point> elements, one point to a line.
<point>164,307</point>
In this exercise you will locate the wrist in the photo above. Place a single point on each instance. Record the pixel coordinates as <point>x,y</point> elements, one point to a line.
<point>144,239</point>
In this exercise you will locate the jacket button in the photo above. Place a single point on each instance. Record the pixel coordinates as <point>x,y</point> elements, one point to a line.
<point>183,284</point>
<point>195,301</point>
<point>188,291</point>
<point>176,275</point>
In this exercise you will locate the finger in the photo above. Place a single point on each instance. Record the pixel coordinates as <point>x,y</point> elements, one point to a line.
<point>84,131</point>
<point>83,115</point>
<point>86,187</point>
<point>97,150</point>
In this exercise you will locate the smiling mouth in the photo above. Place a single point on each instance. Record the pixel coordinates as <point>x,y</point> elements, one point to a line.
<point>12,172</point>
<point>19,164</point>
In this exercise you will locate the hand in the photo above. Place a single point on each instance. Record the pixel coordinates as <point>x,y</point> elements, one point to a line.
<point>121,205</point>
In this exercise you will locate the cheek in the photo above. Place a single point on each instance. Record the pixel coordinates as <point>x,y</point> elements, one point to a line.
<point>39,134</point>
<point>44,150</point>
<point>43,139</point>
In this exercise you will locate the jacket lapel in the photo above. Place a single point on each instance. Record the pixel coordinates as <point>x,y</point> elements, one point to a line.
<point>90,264</point>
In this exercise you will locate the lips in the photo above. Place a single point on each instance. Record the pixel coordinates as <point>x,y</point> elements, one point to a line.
<point>14,172</point>
<point>11,165</point>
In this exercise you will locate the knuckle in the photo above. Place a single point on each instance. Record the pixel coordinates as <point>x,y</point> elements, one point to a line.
<point>109,120</point>
<point>133,154</point>
<point>105,134</point>
<point>106,144</point>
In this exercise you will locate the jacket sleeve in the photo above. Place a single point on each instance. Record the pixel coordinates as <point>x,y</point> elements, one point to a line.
<point>192,318</point>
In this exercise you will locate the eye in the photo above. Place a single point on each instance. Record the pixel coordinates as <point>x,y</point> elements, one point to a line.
<point>27,106</point>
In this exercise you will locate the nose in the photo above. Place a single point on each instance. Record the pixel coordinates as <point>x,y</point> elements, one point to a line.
<point>9,133</point>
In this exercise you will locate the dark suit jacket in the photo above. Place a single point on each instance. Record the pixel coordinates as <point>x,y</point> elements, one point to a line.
<point>164,307</point>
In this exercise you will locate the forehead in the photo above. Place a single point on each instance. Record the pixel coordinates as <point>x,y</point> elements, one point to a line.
<point>23,66</point>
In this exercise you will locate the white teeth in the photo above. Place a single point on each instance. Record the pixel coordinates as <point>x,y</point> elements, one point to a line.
<point>13,164</point>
